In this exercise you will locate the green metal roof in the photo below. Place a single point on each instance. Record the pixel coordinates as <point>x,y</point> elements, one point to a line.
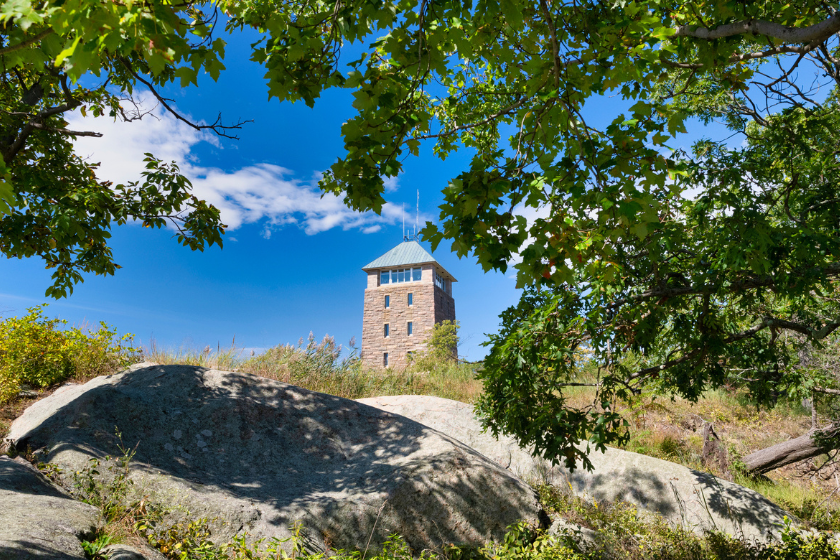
<point>405,254</point>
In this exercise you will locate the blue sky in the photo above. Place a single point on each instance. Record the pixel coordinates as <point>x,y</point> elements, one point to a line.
<point>291,260</point>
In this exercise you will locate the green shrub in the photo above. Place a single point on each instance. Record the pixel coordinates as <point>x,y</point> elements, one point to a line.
<point>93,548</point>
<point>191,540</point>
<point>441,346</point>
<point>40,352</point>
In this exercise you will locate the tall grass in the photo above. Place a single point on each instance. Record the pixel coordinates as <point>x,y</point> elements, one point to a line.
<point>327,367</point>
<point>221,358</point>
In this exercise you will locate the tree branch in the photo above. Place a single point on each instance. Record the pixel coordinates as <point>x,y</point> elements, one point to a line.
<point>26,43</point>
<point>507,110</point>
<point>815,334</point>
<point>785,453</point>
<point>216,127</point>
<point>40,126</point>
<point>764,324</point>
<point>554,49</point>
<point>813,33</point>
<point>832,269</point>
<point>802,51</point>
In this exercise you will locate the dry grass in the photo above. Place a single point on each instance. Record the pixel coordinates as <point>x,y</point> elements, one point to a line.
<point>671,430</point>
<point>328,368</point>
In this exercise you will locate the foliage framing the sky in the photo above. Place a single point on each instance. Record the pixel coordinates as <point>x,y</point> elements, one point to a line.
<point>51,203</point>
<point>675,292</point>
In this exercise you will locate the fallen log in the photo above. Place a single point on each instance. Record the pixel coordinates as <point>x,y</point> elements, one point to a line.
<point>787,452</point>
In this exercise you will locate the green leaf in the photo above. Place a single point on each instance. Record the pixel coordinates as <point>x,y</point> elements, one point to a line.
<point>68,51</point>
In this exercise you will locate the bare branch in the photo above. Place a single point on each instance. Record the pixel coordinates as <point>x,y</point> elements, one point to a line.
<point>216,127</point>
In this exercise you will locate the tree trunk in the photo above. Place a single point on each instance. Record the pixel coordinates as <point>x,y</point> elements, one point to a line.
<point>785,453</point>
<point>714,454</point>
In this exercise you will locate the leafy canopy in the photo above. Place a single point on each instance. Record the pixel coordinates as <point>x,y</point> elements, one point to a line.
<point>677,269</point>
<point>90,56</point>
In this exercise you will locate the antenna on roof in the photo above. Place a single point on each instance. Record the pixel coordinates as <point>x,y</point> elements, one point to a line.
<point>417,217</point>
<point>403,221</point>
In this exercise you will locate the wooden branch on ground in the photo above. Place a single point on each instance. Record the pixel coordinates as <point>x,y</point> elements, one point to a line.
<point>785,453</point>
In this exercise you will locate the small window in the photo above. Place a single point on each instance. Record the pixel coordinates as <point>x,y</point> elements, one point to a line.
<point>385,359</point>
<point>410,299</point>
<point>440,281</point>
<point>410,327</point>
<point>387,330</point>
<point>416,274</point>
<point>410,356</point>
<point>384,277</point>
<point>387,302</point>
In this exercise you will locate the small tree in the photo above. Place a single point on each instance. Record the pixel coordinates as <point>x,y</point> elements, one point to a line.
<point>441,345</point>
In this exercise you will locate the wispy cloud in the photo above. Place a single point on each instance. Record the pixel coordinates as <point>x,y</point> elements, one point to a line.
<point>531,214</point>
<point>391,183</point>
<point>264,194</point>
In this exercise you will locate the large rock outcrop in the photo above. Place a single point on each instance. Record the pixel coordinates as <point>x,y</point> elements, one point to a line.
<point>681,495</point>
<point>255,455</point>
<point>37,520</point>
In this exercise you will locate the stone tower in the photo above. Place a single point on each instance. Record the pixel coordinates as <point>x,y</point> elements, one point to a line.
<point>408,291</point>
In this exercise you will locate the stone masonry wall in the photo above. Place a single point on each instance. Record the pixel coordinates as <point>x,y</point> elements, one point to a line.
<point>430,305</point>
<point>444,306</point>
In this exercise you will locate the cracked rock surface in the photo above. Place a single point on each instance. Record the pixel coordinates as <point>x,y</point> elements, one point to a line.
<point>38,520</point>
<point>255,455</point>
<point>683,496</point>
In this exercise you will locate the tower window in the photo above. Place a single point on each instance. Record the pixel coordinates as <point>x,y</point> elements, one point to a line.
<point>387,302</point>
<point>440,281</point>
<point>385,359</point>
<point>401,275</point>
<point>410,327</point>
<point>410,299</point>
<point>387,330</point>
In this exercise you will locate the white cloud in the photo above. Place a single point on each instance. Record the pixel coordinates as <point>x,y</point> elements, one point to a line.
<point>264,193</point>
<point>391,183</point>
<point>531,214</point>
